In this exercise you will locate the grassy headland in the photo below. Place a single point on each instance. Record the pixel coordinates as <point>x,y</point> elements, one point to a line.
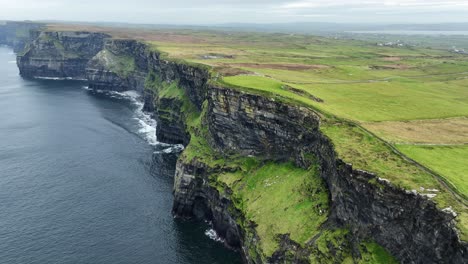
<point>364,91</point>
<point>356,81</point>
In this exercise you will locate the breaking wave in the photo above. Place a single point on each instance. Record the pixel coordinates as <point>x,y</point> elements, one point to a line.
<point>59,78</point>
<point>168,148</point>
<point>146,123</point>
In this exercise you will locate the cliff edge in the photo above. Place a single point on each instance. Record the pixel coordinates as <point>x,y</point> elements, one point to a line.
<point>259,167</point>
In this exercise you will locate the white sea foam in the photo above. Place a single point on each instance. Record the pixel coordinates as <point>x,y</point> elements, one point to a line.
<point>211,233</point>
<point>59,78</point>
<point>147,125</point>
<point>168,148</point>
<point>75,79</point>
<point>174,149</point>
<point>11,62</point>
<point>49,78</point>
<point>131,94</point>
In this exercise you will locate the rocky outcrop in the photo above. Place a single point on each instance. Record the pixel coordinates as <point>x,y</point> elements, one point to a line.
<point>194,197</point>
<point>124,64</point>
<point>194,80</point>
<point>411,227</point>
<point>101,77</point>
<point>59,54</point>
<point>168,113</point>
<point>118,67</point>
<point>253,125</point>
<point>408,225</point>
<point>172,128</point>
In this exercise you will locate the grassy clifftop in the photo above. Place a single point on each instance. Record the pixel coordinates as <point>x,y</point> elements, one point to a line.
<point>373,88</point>
<point>273,198</point>
<point>364,93</point>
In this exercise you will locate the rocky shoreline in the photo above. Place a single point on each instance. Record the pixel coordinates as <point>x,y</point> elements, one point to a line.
<point>406,224</point>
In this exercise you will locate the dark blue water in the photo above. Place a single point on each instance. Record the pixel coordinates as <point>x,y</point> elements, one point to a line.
<point>80,183</point>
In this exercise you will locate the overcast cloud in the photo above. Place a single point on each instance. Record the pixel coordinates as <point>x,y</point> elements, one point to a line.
<point>245,11</point>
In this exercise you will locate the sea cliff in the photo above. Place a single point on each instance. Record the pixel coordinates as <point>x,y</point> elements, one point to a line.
<point>59,54</point>
<point>233,136</point>
<point>17,34</point>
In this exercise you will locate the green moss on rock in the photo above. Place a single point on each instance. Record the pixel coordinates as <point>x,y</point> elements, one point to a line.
<point>121,65</point>
<point>280,199</point>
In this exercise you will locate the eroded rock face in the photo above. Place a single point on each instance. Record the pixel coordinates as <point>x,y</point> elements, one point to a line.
<point>250,125</point>
<point>194,197</point>
<point>103,73</point>
<point>59,54</point>
<point>101,77</point>
<point>192,79</point>
<point>408,225</point>
<point>172,128</point>
<point>118,67</point>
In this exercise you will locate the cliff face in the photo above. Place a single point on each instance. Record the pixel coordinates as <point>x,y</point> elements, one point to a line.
<point>192,79</point>
<point>406,224</point>
<point>238,123</point>
<point>128,62</point>
<point>59,54</point>
<point>117,67</point>
<point>194,197</point>
<point>17,34</point>
<point>252,125</point>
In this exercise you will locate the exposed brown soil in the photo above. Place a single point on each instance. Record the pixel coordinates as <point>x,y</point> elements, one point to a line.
<point>392,59</point>
<point>228,71</point>
<point>286,66</point>
<point>437,131</point>
<point>390,67</point>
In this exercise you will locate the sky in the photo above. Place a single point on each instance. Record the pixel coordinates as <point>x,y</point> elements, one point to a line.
<point>238,11</point>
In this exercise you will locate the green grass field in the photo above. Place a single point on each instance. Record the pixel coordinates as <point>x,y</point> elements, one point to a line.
<point>385,101</point>
<point>449,161</point>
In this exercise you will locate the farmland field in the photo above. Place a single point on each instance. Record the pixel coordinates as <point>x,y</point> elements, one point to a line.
<point>450,161</point>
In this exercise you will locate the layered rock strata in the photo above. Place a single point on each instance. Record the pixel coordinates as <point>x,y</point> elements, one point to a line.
<point>59,54</point>
<point>408,225</point>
